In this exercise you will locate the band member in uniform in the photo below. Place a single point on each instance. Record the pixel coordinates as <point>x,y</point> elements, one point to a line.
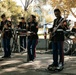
<point>74,27</point>
<point>32,38</point>
<point>74,30</point>
<point>57,39</point>
<point>6,35</point>
<point>22,25</point>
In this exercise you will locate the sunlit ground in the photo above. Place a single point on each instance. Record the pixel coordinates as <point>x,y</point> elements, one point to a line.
<point>18,65</point>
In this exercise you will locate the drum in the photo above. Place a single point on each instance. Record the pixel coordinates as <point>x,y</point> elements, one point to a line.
<point>72,37</point>
<point>21,32</point>
<point>29,33</point>
<point>67,46</point>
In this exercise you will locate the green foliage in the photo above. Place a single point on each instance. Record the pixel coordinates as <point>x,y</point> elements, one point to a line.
<point>10,8</point>
<point>64,5</point>
<point>48,18</point>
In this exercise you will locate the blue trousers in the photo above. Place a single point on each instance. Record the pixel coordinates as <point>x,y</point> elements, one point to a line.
<point>6,46</point>
<point>31,48</point>
<point>57,47</point>
<point>22,42</point>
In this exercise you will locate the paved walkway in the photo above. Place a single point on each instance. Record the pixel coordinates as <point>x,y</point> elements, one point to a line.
<point>17,65</point>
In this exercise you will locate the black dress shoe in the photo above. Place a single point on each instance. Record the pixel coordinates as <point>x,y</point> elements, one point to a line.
<point>1,59</point>
<point>8,56</point>
<point>4,57</point>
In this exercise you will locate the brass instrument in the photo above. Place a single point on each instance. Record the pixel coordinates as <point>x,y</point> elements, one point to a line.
<point>3,30</point>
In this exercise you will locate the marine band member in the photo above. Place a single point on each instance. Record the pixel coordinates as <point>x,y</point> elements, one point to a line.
<point>32,38</point>
<point>57,41</point>
<point>22,25</point>
<point>6,35</point>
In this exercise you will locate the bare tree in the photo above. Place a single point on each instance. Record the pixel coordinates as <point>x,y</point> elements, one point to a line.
<point>73,13</point>
<point>27,3</point>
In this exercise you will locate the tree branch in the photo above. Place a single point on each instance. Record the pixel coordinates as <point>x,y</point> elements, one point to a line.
<point>30,1</point>
<point>22,3</point>
<point>72,12</point>
<point>27,3</point>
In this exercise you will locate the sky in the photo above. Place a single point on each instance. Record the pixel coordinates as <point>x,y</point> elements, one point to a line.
<point>23,1</point>
<point>19,2</point>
